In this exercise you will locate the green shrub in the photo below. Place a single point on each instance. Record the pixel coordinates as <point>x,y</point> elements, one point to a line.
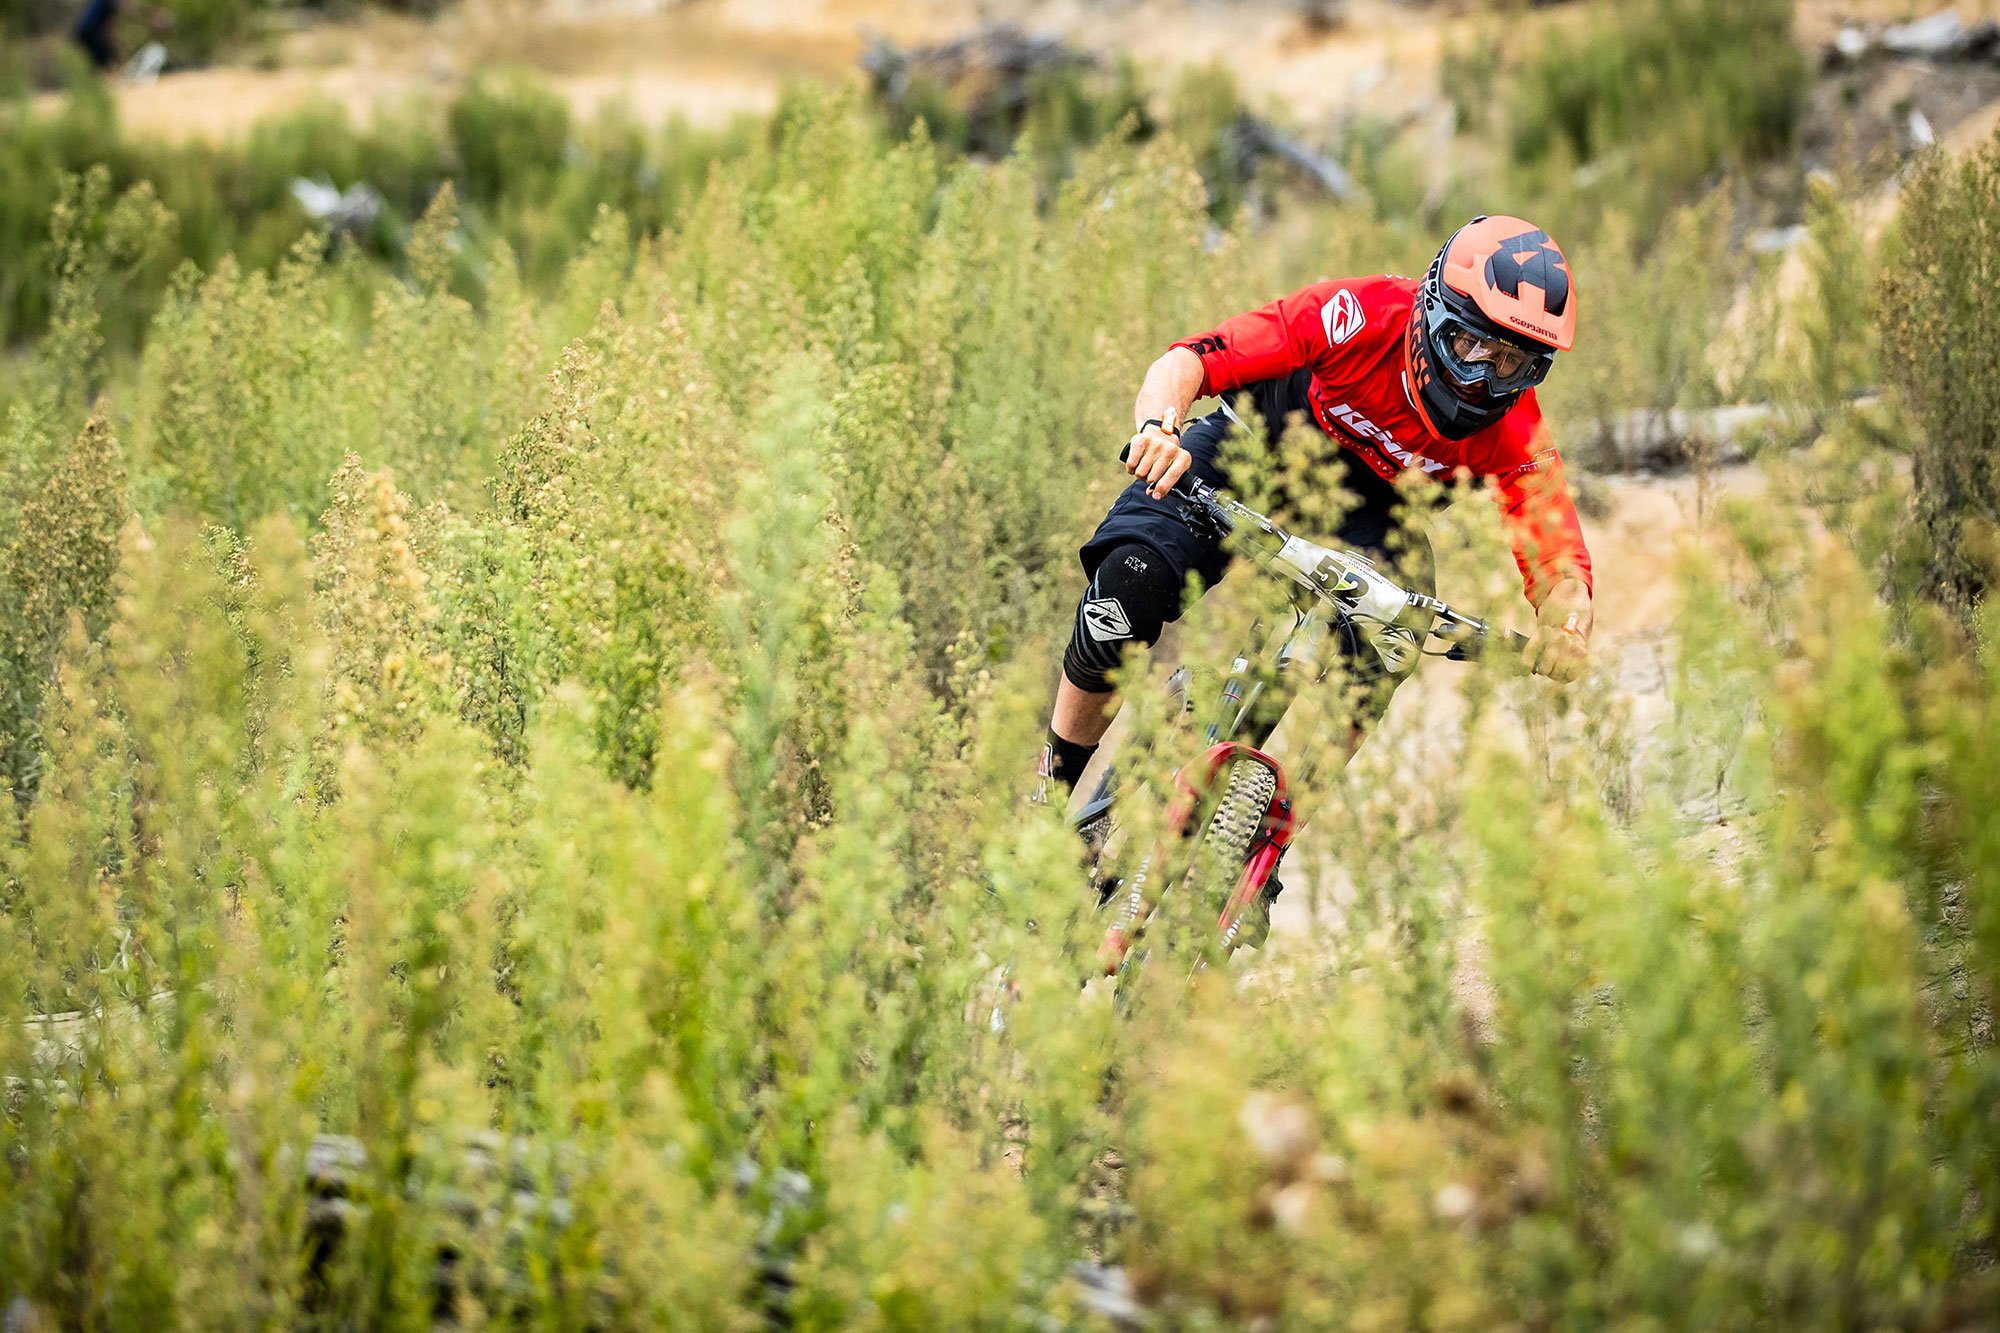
<point>1470,75</point>
<point>1941,348</point>
<point>595,792</point>
<point>528,174</point>
<point>1653,98</point>
<point>25,18</point>
<point>243,394</point>
<point>202,29</point>
<point>508,137</point>
<point>1632,362</point>
<point>1838,357</point>
<point>60,549</point>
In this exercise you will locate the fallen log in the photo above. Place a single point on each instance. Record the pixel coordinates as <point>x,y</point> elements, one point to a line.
<point>1258,138</point>
<point>1664,440</point>
<point>1942,36</point>
<point>1670,439</point>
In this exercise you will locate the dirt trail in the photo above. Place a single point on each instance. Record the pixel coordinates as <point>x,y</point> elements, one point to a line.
<point>707,62</point>
<point>712,59</point>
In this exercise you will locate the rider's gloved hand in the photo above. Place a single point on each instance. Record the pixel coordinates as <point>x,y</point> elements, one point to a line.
<point>1155,455</point>
<point>1560,647</point>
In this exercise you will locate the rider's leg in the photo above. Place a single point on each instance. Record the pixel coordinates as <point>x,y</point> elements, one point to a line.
<point>1166,548</point>
<point>1133,593</point>
<point>1076,727</point>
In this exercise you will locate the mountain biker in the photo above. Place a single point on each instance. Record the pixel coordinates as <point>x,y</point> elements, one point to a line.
<point>1436,375</point>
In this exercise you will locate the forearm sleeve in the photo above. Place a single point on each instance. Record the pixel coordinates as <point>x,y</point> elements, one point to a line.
<point>1543,526</point>
<point>1258,344</point>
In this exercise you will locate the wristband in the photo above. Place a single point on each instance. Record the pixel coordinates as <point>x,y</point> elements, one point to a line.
<point>1151,422</point>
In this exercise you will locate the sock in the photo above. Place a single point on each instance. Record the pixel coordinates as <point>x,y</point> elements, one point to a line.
<point>1066,760</point>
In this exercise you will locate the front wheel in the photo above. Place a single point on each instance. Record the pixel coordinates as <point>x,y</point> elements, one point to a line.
<point>1222,852</point>
<point>1215,857</point>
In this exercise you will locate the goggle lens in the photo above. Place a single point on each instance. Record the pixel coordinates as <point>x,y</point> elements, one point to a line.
<point>1472,356</point>
<point>1506,359</point>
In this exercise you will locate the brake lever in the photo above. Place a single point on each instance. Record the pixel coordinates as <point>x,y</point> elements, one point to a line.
<point>1473,649</point>
<point>1470,639</point>
<point>1202,514</point>
<point>1199,509</point>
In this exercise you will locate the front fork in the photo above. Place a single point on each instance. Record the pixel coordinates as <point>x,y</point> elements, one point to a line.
<point>1136,898</point>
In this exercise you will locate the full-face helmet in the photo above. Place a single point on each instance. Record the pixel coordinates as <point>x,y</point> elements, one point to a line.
<point>1494,309</point>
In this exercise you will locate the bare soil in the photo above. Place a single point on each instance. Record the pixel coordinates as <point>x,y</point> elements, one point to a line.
<point>708,60</point>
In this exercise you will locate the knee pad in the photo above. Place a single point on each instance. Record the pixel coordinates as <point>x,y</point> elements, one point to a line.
<point>1371,673</point>
<point>1134,593</point>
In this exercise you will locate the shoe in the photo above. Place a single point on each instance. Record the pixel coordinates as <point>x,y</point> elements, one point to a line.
<point>1093,827</point>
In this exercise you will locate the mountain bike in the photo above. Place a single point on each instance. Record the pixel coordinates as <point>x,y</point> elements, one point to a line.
<point>1230,818</point>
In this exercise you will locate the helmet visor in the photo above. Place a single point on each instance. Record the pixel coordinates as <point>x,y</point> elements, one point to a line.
<point>1476,356</point>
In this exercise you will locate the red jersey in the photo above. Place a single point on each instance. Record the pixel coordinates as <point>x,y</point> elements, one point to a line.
<point>1349,333</point>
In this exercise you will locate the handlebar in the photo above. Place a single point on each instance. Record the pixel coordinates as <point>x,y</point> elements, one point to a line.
<point>1204,507</point>
<point>1474,647</point>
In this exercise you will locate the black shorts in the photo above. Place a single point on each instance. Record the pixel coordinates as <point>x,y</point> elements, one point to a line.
<point>1378,512</point>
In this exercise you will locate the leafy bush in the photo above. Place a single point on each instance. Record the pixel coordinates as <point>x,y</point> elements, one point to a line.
<point>60,551</point>
<point>1656,96</point>
<point>571,748</point>
<point>531,177</point>
<point>1806,337</point>
<point>1632,361</point>
<point>202,29</point>
<point>1941,347</point>
<point>25,18</point>
<point>1837,339</point>
<point>508,138</point>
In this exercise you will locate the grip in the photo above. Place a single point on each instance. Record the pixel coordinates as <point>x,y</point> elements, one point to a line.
<point>1486,642</point>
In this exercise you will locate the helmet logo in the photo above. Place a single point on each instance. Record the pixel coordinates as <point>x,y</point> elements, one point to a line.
<point>1342,317</point>
<point>1532,258</point>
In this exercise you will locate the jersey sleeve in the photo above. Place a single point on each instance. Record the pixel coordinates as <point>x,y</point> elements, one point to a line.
<point>1264,343</point>
<point>1541,518</point>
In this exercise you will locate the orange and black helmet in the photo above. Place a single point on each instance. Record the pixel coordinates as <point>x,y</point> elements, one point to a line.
<point>1492,312</point>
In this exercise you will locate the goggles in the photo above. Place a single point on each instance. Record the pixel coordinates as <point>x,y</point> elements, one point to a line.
<point>1475,356</point>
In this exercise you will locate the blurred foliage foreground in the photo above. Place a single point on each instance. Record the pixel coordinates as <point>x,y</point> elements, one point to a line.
<point>617,766</point>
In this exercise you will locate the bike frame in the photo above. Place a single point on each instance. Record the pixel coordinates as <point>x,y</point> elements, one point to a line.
<point>1342,586</point>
